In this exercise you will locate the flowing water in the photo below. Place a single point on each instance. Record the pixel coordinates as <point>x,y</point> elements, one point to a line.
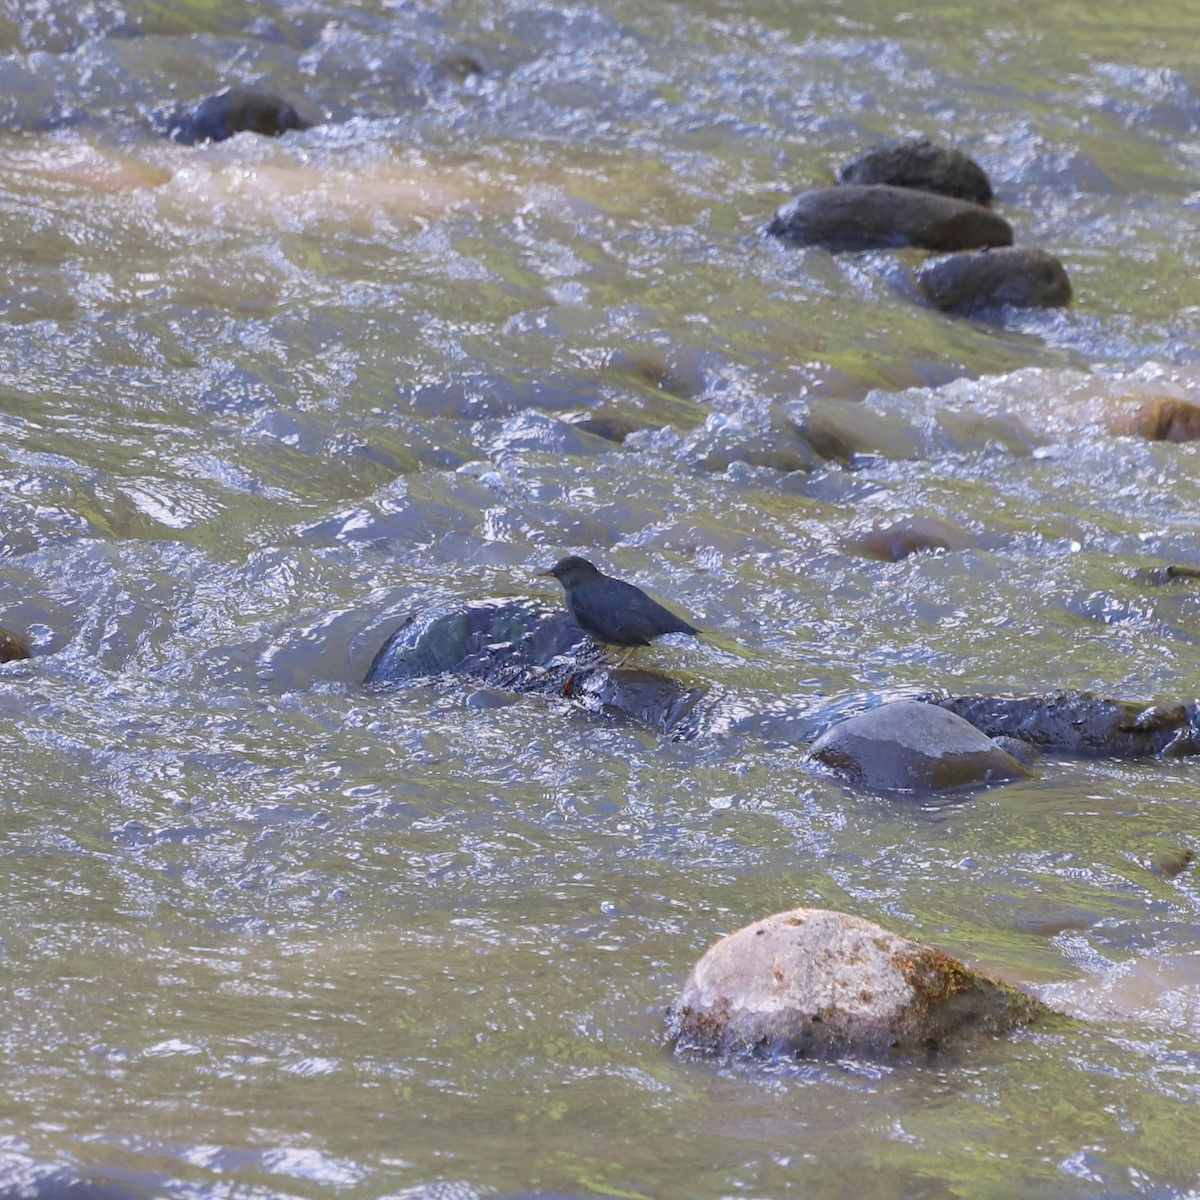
<point>266,932</point>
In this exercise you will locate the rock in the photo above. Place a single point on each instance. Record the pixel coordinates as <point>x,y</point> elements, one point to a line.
<point>812,982</point>
<point>1171,862</point>
<point>505,642</point>
<point>922,165</point>
<point>908,745</point>
<point>842,430</point>
<point>910,536</point>
<point>1083,724</point>
<point>970,283</point>
<point>1159,419</point>
<point>610,427</point>
<point>237,110</point>
<point>1157,576</point>
<point>525,647</point>
<point>881,217</point>
<point>12,646</point>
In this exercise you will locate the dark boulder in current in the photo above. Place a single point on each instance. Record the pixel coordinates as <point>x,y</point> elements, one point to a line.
<point>922,165</point>
<point>881,217</point>
<point>530,648</point>
<point>973,283</point>
<point>237,110</point>
<point>911,746</point>
<point>1085,725</point>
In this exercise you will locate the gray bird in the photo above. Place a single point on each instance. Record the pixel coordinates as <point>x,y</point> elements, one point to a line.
<point>611,611</point>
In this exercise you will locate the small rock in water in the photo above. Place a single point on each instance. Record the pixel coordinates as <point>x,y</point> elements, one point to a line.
<point>910,536</point>
<point>1171,862</point>
<point>972,283</point>
<point>237,110</point>
<point>610,427</point>
<point>908,745</point>
<point>922,165</point>
<point>1159,419</point>
<point>813,982</point>
<point>12,646</point>
<point>881,217</point>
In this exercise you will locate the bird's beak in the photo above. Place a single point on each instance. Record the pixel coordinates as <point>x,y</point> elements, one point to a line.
<point>541,574</point>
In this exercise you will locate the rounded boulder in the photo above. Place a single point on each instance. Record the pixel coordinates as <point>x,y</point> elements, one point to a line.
<point>817,983</point>
<point>911,746</point>
<point>882,217</point>
<point>970,283</point>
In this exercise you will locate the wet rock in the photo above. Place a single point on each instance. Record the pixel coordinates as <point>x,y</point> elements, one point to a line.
<point>1171,862</point>
<point>237,110</point>
<point>1159,419</point>
<point>909,745</point>
<point>1157,576</point>
<point>910,536</point>
<point>922,165</point>
<point>973,283</point>
<point>767,439</point>
<point>842,430</point>
<point>1085,725</point>
<point>610,427</point>
<point>812,982</point>
<point>460,67</point>
<point>529,648</point>
<point>881,217</point>
<point>12,646</point>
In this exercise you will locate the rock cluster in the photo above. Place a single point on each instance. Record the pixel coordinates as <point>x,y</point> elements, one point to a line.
<point>922,195</point>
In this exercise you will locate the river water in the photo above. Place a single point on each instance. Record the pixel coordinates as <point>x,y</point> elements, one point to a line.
<point>267,933</point>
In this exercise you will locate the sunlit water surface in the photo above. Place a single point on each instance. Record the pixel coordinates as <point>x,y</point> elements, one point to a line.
<point>267,933</point>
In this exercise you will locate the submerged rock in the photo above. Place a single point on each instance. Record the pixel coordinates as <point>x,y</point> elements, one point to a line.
<point>12,646</point>
<point>812,982</point>
<point>237,110</point>
<point>1159,419</point>
<point>881,217</point>
<point>911,535</point>
<point>1085,725</point>
<point>527,647</point>
<point>922,165</point>
<point>972,283</point>
<point>909,745</point>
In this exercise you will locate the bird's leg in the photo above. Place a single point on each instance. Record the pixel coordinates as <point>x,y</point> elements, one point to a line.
<point>629,653</point>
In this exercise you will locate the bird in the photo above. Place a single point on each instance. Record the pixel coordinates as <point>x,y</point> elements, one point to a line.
<point>611,611</point>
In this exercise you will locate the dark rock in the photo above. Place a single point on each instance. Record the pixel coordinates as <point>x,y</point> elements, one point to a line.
<point>970,283</point>
<point>880,217</point>
<point>526,647</point>
<point>910,536</point>
<point>1171,862</point>
<point>460,67</point>
<point>1160,575</point>
<point>12,646</point>
<point>812,982</point>
<point>1082,724</point>
<point>908,745</point>
<point>921,165</point>
<point>612,428</point>
<point>238,110</point>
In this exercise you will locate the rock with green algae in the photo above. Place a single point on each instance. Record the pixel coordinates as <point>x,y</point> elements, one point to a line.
<point>817,983</point>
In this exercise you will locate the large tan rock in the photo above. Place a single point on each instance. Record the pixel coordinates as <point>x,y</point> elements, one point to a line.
<point>816,982</point>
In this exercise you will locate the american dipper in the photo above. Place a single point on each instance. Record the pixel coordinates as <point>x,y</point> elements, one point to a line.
<point>612,611</point>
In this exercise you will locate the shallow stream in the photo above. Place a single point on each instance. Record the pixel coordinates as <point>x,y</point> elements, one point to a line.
<point>266,932</point>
